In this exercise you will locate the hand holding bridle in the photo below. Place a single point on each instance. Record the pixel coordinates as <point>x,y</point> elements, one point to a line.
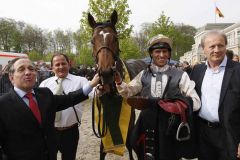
<point>117,78</point>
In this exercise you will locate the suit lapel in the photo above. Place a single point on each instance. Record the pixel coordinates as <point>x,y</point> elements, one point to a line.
<point>201,71</point>
<point>22,107</point>
<point>226,78</point>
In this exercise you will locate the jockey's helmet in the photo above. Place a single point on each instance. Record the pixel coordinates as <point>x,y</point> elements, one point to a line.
<point>159,42</point>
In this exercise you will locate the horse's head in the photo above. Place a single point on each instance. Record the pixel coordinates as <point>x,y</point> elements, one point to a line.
<point>105,47</point>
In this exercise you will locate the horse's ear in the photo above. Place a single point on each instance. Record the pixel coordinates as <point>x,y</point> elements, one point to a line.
<point>91,21</point>
<point>114,17</point>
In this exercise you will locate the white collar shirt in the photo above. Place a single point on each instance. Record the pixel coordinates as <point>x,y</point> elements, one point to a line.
<point>22,94</point>
<point>69,84</point>
<point>211,90</point>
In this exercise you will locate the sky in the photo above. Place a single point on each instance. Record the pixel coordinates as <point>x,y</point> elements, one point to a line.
<point>66,14</point>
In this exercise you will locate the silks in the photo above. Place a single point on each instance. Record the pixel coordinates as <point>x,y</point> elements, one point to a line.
<point>118,114</point>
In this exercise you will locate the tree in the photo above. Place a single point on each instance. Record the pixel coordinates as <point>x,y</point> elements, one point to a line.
<point>34,39</point>
<point>101,11</point>
<point>181,35</point>
<point>131,50</point>
<point>183,39</point>
<point>7,30</point>
<point>85,56</point>
<point>34,56</point>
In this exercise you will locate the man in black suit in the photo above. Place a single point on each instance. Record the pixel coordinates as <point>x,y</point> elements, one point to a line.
<point>218,86</point>
<point>27,133</point>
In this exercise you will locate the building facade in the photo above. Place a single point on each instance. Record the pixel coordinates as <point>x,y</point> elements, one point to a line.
<point>230,29</point>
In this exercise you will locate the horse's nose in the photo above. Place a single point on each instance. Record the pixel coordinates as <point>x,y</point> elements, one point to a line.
<point>107,76</point>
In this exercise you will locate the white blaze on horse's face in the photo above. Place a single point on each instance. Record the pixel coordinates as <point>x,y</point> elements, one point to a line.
<point>104,35</point>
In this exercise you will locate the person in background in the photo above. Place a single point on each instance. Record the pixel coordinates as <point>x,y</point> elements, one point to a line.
<point>217,84</point>
<point>67,125</point>
<point>5,83</point>
<point>160,81</point>
<point>229,54</point>
<point>235,58</point>
<point>27,115</point>
<point>187,68</point>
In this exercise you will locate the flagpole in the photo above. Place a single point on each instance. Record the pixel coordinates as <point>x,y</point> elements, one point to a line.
<point>215,11</point>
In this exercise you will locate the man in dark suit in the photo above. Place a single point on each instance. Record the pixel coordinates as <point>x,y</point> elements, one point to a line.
<point>218,86</point>
<point>27,122</point>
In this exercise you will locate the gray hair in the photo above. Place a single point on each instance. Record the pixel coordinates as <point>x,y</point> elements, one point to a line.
<point>213,32</point>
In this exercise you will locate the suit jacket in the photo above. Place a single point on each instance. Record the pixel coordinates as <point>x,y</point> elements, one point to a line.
<point>229,103</point>
<point>21,136</point>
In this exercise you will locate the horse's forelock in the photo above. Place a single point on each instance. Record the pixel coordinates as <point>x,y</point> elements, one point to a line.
<point>104,25</point>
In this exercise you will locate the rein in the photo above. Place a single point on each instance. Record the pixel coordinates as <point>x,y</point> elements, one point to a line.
<point>97,107</point>
<point>100,133</point>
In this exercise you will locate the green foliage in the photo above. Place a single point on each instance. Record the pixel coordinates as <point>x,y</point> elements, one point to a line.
<point>181,35</point>
<point>8,29</point>
<point>34,56</point>
<point>47,57</point>
<point>129,49</point>
<point>85,56</point>
<point>41,44</point>
<point>101,11</point>
<point>183,39</point>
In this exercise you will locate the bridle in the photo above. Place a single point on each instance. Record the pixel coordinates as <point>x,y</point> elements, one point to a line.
<point>115,54</point>
<point>97,106</point>
<point>107,76</point>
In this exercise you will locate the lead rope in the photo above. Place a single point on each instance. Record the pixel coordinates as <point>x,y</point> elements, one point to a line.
<point>101,132</point>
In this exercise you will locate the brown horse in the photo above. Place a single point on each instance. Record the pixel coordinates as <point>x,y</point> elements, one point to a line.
<point>106,53</point>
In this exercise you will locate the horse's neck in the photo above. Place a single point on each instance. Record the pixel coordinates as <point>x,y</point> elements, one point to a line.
<point>134,67</point>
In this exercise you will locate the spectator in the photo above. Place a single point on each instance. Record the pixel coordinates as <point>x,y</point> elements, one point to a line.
<point>66,125</point>
<point>217,84</point>
<point>235,58</point>
<point>187,68</point>
<point>27,114</point>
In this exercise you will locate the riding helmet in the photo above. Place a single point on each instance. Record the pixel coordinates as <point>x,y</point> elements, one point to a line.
<point>159,42</point>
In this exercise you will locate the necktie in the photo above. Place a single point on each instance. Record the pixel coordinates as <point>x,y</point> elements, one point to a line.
<point>59,88</point>
<point>34,107</point>
<point>59,91</point>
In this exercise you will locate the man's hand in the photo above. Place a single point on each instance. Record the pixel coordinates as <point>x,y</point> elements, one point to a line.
<point>117,78</point>
<point>100,90</point>
<point>238,153</point>
<point>94,82</point>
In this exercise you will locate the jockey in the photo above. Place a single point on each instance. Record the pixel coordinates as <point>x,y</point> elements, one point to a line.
<point>151,138</point>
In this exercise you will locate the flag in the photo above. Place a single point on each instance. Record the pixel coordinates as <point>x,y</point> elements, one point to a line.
<point>218,12</point>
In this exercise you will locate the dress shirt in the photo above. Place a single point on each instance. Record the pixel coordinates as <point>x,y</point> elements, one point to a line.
<point>22,94</point>
<point>135,86</point>
<point>69,84</point>
<point>211,90</point>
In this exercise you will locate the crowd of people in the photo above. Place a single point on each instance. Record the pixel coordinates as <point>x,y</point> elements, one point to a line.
<point>37,121</point>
